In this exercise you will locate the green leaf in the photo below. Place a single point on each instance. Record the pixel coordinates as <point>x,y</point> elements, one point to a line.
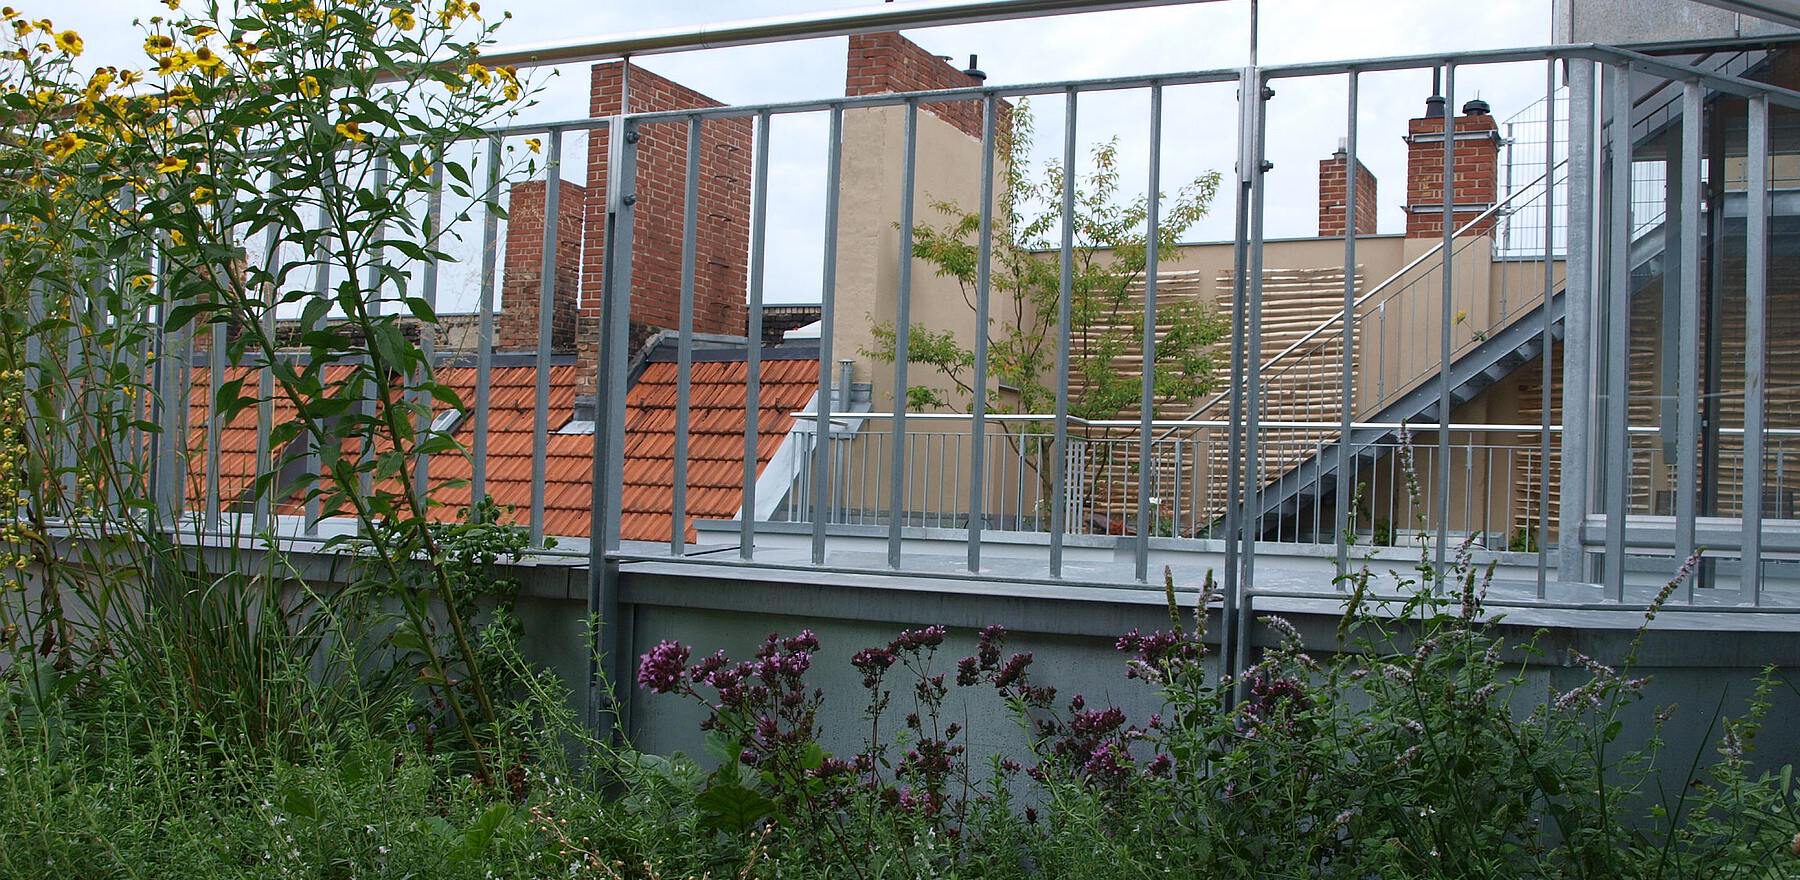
<point>732,808</point>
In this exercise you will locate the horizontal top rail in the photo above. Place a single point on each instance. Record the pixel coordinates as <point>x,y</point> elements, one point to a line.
<point>805,26</point>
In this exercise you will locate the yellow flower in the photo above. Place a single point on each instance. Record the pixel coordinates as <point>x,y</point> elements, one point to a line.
<point>8,13</point>
<point>534,145</point>
<point>157,45</point>
<point>69,42</point>
<point>176,237</point>
<point>43,24</point>
<point>202,195</point>
<point>402,19</point>
<point>352,131</point>
<point>172,4</point>
<point>64,145</point>
<point>309,86</point>
<point>141,281</point>
<point>176,63</point>
<point>479,73</point>
<point>208,61</point>
<point>202,32</point>
<point>511,90</point>
<point>128,78</point>
<point>171,164</point>
<point>1461,316</point>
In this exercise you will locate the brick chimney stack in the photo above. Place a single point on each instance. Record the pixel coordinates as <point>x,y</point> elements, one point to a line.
<point>885,63</point>
<point>1477,178</point>
<point>516,326</point>
<point>1333,195</point>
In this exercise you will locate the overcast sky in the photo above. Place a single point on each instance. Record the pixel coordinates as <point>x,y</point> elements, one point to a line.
<point>1306,117</point>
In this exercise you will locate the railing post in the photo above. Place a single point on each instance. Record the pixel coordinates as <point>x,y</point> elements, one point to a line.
<point>1687,365</point>
<point>983,290</point>
<point>821,478</point>
<point>1347,382</point>
<point>1543,517</point>
<point>753,331</point>
<point>684,344</point>
<point>611,652</point>
<point>484,334</point>
<point>546,328</point>
<point>1248,108</point>
<point>1578,328</point>
<point>1147,393</point>
<point>1252,519</point>
<point>1618,330</point>
<point>1756,281</point>
<point>898,484</point>
<point>1446,323</point>
<point>1059,444</point>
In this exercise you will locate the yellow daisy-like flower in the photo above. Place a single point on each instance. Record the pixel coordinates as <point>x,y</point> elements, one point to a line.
<point>127,78</point>
<point>352,131</point>
<point>64,145</point>
<point>511,91</point>
<point>202,32</point>
<point>176,63</point>
<point>309,86</point>
<point>202,195</point>
<point>158,45</point>
<point>479,73</point>
<point>140,282</point>
<point>172,4</point>
<point>534,145</point>
<point>69,42</point>
<point>176,237</point>
<point>208,61</point>
<point>171,164</point>
<point>402,19</point>
<point>8,13</point>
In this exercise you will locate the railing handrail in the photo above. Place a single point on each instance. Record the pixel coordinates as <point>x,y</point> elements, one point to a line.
<point>1377,290</point>
<point>804,26</point>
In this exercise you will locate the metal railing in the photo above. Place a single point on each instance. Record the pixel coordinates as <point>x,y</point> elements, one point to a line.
<point>1135,480</point>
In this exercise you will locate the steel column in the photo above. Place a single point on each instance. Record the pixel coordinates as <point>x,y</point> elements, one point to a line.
<point>1441,492</point>
<point>821,479</point>
<point>1687,360</point>
<point>1756,311</point>
<point>1618,330</point>
<point>897,474</point>
<point>1147,393</point>
<point>753,332</point>
<point>484,333</point>
<point>546,329</point>
<point>1059,444</point>
<point>1346,485</point>
<point>983,288</point>
<point>684,343</point>
<point>1578,327</point>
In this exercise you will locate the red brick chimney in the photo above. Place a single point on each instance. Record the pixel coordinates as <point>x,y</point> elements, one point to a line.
<point>1333,196</point>
<point>887,62</point>
<point>516,326</point>
<point>722,244</point>
<point>1477,178</point>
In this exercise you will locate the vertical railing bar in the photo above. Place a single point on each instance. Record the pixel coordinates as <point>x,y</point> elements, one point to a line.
<point>753,330</point>
<point>1579,288</point>
<point>684,347</point>
<point>1247,105</point>
<point>1254,459</point>
<point>1618,331</point>
<point>1447,308</point>
<point>215,380</point>
<point>434,212</point>
<point>821,480</point>
<point>1348,381</point>
<point>1687,367</point>
<point>1059,445</point>
<point>484,333</point>
<point>1756,292</point>
<point>607,704</point>
<point>1147,391</point>
<point>265,386</point>
<point>983,287</point>
<point>1543,517</point>
<point>546,328</point>
<point>898,485</point>
<point>313,509</point>
<point>373,280</point>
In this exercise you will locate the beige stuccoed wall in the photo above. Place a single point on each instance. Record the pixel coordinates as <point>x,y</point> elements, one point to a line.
<point>948,169</point>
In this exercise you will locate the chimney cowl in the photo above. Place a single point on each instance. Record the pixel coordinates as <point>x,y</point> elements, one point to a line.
<point>1436,106</point>
<point>1476,107</point>
<point>975,72</point>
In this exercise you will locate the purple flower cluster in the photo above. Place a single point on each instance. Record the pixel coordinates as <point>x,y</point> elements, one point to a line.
<point>663,668</point>
<point>1157,656</point>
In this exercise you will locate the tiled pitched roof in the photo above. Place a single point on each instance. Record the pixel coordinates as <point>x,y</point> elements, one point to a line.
<point>715,446</point>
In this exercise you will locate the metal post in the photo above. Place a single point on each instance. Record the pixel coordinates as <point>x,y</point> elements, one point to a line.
<point>1687,365</point>
<point>546,328</point>
<point>983,285</point>
<point>609,654</point>
<point>373,279</point>
<point>1578,327</point>
<point>1252,518</point>
<point>484,334</point>
<point>215,381</point>
<point>897,483</point>
<point>314,508</point>
<point>1447,308</point>
<point>1147,393</point>
<point>684,347</point>
<point>1248,106</point>
<point>1345,487</point>
<point>434,210</point>
<point>753,331</point>
<point>265,387</point>
<point>1618,331</point>
<point>1756,310</point>
<point>1059,444</point>
<point>1543,518</point>
<point>821,481</point>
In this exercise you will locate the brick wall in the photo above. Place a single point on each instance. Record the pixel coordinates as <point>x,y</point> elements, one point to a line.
<point>1333,196</point>
<point>887,62</point>
<point>1477,173</point>
<point>722,243</point>
<point>516,325</point>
